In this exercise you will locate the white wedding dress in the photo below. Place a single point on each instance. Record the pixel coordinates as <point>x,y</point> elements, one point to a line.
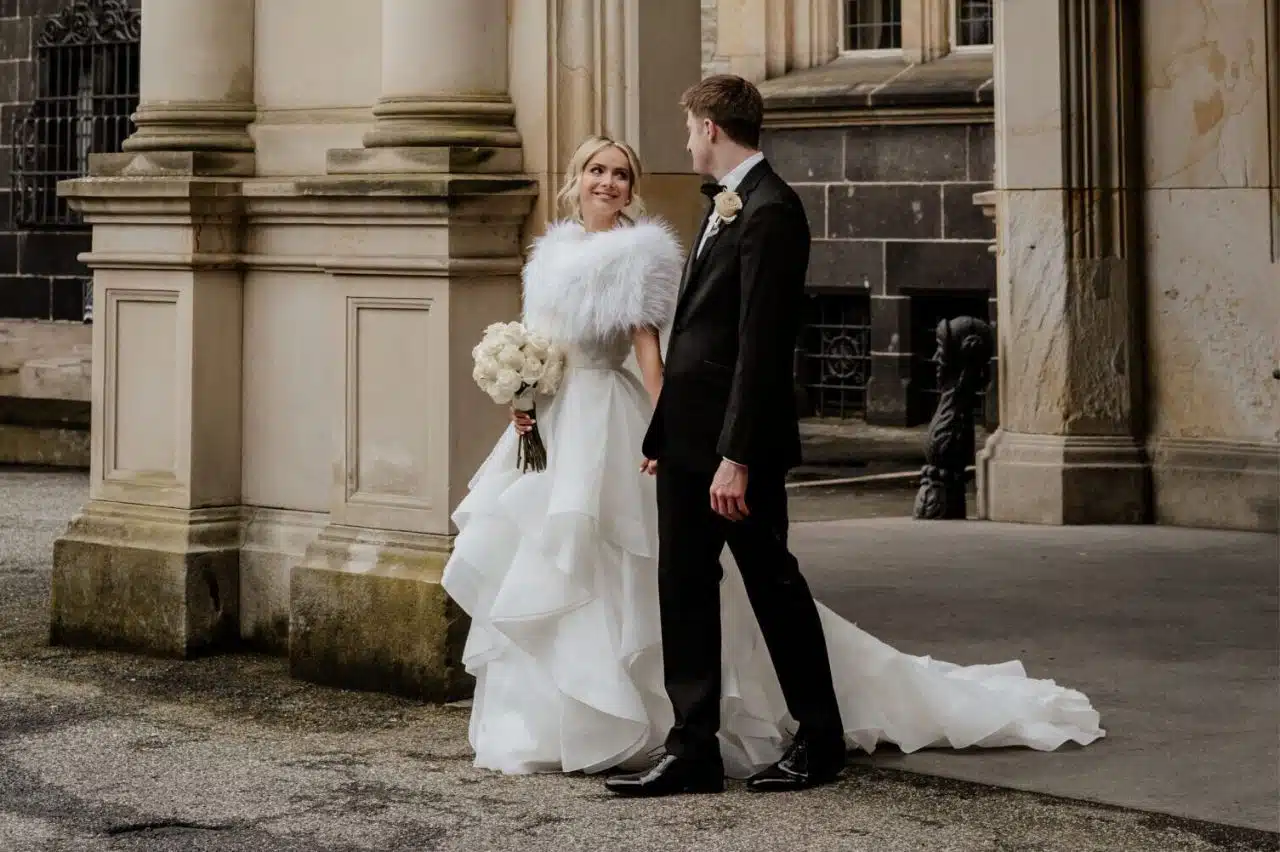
<point>558,571</point>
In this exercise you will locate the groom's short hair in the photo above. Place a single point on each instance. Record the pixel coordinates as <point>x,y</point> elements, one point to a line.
<point>732,103</point>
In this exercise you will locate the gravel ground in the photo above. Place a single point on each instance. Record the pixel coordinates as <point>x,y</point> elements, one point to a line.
<point>103,751</point>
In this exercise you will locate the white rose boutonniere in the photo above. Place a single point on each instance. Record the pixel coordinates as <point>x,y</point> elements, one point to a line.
<point>728,205</point>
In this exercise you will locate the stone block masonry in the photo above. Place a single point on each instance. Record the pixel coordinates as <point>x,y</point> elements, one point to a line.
<point>891,212</point>
<point>712,62</point>
<point>44,346</point>
<point>40,276</point>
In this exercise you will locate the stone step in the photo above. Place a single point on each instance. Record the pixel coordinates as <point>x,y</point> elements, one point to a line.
<point>56,378</point>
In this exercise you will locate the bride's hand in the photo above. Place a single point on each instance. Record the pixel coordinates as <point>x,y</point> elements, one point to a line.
<point>649,466</point>
<point>522,421</point>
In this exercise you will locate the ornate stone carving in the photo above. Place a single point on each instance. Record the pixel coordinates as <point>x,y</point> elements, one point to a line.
<point>963,358</point>
<point>93,22</point>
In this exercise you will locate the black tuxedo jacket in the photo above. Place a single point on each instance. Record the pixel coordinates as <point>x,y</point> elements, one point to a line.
<point>727,390</point>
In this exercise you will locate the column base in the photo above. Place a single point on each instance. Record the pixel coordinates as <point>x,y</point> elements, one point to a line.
<point>168,164</point>
<point>437,159</point>
<point>275,541</point>
<point>1231,485</point>
<point>367,612</point>
<point>1063,480</point>
<point>158,581</point>
<point>194,126</point>
<point>485,121</point>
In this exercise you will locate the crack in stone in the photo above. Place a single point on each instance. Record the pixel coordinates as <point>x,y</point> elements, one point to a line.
<point>161,825</point>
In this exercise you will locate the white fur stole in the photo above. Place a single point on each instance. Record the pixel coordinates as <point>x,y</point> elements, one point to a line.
<point>580,286</point>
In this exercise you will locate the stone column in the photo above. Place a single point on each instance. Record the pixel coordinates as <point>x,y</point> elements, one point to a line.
<point>152,563</point>
<point>1070,444</point>
<point>197,76</point>
<point>444,105</point>
<point>426,221</point>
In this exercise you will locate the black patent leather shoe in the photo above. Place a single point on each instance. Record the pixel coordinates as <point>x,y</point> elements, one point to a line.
<point>802,767</point>
<point>670,776</point>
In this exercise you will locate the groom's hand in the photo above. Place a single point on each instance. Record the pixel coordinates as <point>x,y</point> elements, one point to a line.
<point>649,466</point>
<point>729,491</point>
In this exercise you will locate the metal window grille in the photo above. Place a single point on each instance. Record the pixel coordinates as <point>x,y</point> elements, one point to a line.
<point>872,24</point>
<point>834,355</point>
<point>975,23</point>
<point>86,91</point>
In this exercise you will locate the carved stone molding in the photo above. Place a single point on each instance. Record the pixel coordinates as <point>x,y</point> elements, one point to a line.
<point>1273,100</point>
<point>92,22</point>
<point>1101,138</point>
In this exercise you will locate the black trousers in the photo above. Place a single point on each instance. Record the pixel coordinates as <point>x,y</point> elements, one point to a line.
<point>693,537</point>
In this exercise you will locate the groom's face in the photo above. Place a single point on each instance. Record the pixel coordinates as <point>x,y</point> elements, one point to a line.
<point>701,135</point>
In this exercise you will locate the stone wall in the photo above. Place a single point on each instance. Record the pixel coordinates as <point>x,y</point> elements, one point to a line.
<point>711,62</point>
<point>891,213</point>
<point>44,343</point>
<point>1213,283</point>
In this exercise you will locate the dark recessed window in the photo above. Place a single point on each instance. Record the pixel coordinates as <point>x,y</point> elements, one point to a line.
<point>975,23</point>
<point>872,24</point>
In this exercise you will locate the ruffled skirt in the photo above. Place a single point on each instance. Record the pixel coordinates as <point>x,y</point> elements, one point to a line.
<point>558,571</point>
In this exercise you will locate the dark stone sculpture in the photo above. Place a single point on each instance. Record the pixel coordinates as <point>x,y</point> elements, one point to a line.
<point>963,359</point>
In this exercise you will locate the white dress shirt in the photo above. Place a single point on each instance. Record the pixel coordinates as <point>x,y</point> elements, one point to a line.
<point>729,182</point>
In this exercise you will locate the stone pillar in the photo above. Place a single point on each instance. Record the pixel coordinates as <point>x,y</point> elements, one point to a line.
<point>197,76</point>
<point>426,222</point>
<point>444,105</point>
<point>427,100</point>
<point>1070,446</point>
<point>152,563</point>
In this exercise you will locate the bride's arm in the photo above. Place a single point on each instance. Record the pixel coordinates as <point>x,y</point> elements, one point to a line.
<point>649,357</point>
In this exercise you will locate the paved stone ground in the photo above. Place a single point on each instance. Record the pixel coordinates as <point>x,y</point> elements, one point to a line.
<point>112,753</point>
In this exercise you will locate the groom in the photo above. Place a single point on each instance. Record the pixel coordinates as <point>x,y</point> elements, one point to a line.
<point>722,438</point>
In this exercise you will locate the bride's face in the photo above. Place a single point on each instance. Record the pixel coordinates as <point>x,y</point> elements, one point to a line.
<point>605,188</point>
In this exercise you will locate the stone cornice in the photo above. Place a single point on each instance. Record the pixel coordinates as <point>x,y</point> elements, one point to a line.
<point>852,85</point>
<point>412,199</point>
<point>856,116</point>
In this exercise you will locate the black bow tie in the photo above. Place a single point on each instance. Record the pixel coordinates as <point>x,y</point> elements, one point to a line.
<point>711,190</point>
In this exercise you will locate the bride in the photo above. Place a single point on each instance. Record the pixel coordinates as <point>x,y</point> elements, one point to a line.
<point>558,569</point>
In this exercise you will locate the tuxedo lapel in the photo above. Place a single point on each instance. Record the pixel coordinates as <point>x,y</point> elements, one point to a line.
<point>692,258</point>
<point>697,260</point>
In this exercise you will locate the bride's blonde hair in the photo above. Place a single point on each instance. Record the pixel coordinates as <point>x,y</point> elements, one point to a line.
<point>569,200</point>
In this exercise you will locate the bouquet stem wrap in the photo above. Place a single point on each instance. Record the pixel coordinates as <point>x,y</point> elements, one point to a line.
<point>532,453</point>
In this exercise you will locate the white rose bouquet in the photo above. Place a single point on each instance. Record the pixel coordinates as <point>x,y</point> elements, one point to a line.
<point>511,365</point>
